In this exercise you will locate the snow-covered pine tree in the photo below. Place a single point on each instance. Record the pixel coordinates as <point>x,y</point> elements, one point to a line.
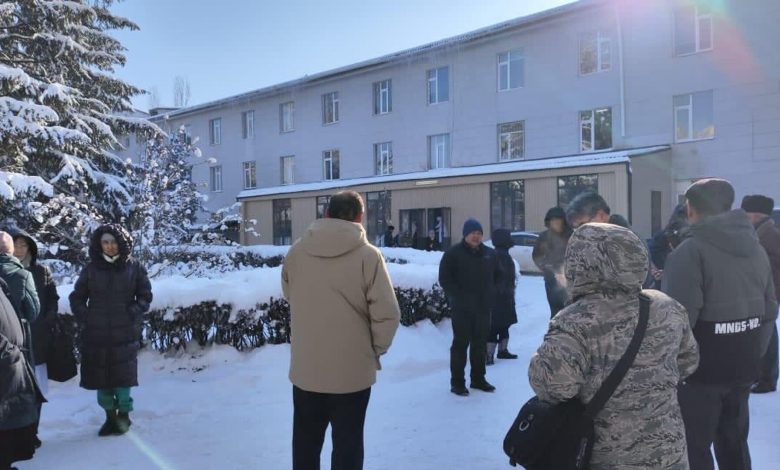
<point>167,200</point>
<point>59,114</point>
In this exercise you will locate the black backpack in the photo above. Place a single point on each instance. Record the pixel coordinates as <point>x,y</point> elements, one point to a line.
<point>560,436</point>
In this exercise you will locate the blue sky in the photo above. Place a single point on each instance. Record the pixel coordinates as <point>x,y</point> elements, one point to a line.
<point>231,46</point>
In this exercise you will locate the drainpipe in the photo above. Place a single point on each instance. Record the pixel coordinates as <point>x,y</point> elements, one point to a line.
<point>630,174</point>
<point>622,72</point>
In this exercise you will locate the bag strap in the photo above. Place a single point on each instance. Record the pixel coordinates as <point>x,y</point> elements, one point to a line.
<point>619,372</point>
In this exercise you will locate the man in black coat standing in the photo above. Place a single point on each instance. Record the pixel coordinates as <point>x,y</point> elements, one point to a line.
<point>721,275</point>
<point>468,273</point>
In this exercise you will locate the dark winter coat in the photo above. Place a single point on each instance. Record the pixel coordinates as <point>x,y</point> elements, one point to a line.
<point>19,394</point>
<point>469,277</point>
<point>550,251</point>
<point>21,285</point>
<point>769,238</point>
<point>504,312</point>
<point>109,300</point>
<point>48,298</point>
<point>722,277</point>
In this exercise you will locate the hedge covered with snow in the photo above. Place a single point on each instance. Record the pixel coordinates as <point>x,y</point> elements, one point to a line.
<point>233,296</point>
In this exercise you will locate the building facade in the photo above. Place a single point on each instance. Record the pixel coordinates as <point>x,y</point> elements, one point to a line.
<point>633,98</point>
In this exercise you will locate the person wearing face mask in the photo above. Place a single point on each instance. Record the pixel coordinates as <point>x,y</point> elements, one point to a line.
<point>26,251</point>
<point>109,300</point>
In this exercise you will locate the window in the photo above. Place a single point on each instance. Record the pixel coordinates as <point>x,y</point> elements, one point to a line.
<point>438,85</point>
<point>411,232</point>
<point>215,172</point>
<point>330,165</point>
<point>250,175</point>
<point>570,187</point>
<point>288,170</point>
<point>248,124</point>
<point>655,211</point>
<point>439,224</point>
<point>287,116</point>
<point>511,70</point>
<point>330,108</point>
<point>383,156</point>
<point>694,117</point>
<point>507,205</point>
<point>692,29</point>
<point>438,151</point>
<point>322,206</point>
<point>595,53</point>
<point>215,131</point>
<point>282,209</point>
<point>187,134</point>
<point>596,129</point>
<point>383,97</point>
<point>378,215</point>
<point>511,140</point>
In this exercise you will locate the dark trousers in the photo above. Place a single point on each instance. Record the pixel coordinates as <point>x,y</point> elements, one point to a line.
<point>497,334</point>
<point>469,333</point>
<point>769,364</point>
<point>345,413</point>
<point>556,295</point>
<point>719,415</point>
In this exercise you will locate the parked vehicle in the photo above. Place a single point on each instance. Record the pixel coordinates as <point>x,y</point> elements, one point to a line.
<point>521,252</point>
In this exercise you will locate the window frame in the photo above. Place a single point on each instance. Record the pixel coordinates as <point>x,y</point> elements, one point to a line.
<point>601,38</point>
<point>281,226</point>
<point>247,130</point>
<point>509,134</point>
<point>283,173</point>
<point>333,96</point>
<point>282,128</point>
<point>593,132</point>
<point>447,151</point>
<point>435,80</point>
<point>691,111</point>
<point>383,158</point>
<point>215,131</point>
<point>249,172</point>
<point>508,63</point>
<point>383,97</point>
<point>697,18</point>
<point>329,157</point>
<point>504,196</point>
<point>558,186</point>
<point>215,171</point>
<point>321,202</point>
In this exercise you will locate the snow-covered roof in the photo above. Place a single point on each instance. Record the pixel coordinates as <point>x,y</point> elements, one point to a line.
<point>589,159</point>
<point>391,58</point>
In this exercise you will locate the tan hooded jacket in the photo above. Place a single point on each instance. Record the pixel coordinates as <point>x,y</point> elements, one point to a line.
<point>344,313</point>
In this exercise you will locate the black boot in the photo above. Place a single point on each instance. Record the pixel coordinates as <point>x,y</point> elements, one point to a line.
<point>460,390</point>
<point>123,423</point>
<point>491,353</point>
<point>483,385</point>
<point>503,351</point>
<point>109,426</point>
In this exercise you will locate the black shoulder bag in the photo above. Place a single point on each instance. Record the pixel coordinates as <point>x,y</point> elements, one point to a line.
<point>560,436</point>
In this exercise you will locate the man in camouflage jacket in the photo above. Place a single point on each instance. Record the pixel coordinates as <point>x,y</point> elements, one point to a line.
<point>640,427</point>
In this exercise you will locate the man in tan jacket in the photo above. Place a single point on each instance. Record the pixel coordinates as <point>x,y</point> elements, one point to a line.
<point>344,315</point>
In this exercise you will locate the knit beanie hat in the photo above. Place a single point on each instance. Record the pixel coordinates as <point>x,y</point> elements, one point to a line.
<point>759,204</point>
<point>471,225</point>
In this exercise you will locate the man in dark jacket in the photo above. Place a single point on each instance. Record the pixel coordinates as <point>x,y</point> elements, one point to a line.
<point>721,275</point>
<point>109,300</point>
<point>504,313</point>
<point>468,273</point>
<point>759,209</point>
<point>19,395</point>
<point>548,255</point>
<point>21,284</point>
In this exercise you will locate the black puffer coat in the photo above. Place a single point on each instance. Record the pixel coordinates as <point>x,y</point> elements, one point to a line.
<point>109,300</point>
<point>43,326</point>
<point>469,277</point>
<point>504,312</point>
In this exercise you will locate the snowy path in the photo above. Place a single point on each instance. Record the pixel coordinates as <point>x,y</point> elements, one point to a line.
<point>226,410</point>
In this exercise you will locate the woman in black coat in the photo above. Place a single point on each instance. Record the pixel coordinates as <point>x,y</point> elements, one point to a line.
<point>504,314</point>
<point>109,299</point>
<point>26,251</point>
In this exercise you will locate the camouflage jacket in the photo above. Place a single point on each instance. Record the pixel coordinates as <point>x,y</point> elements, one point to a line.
<point>640,427</point>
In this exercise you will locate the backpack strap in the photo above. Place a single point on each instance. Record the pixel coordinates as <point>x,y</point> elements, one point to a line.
<point>619,372</point>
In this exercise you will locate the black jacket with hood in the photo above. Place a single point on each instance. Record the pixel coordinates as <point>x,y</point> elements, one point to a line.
<point>721,275</point>
<point>109,300</point>
<point>43,326</point>
<point>504,312</point>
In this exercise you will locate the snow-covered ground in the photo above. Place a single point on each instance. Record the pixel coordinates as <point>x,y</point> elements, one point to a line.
<point>228,410</point>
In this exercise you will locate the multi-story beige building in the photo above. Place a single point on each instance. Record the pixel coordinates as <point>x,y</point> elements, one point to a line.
<point>632,98</point>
